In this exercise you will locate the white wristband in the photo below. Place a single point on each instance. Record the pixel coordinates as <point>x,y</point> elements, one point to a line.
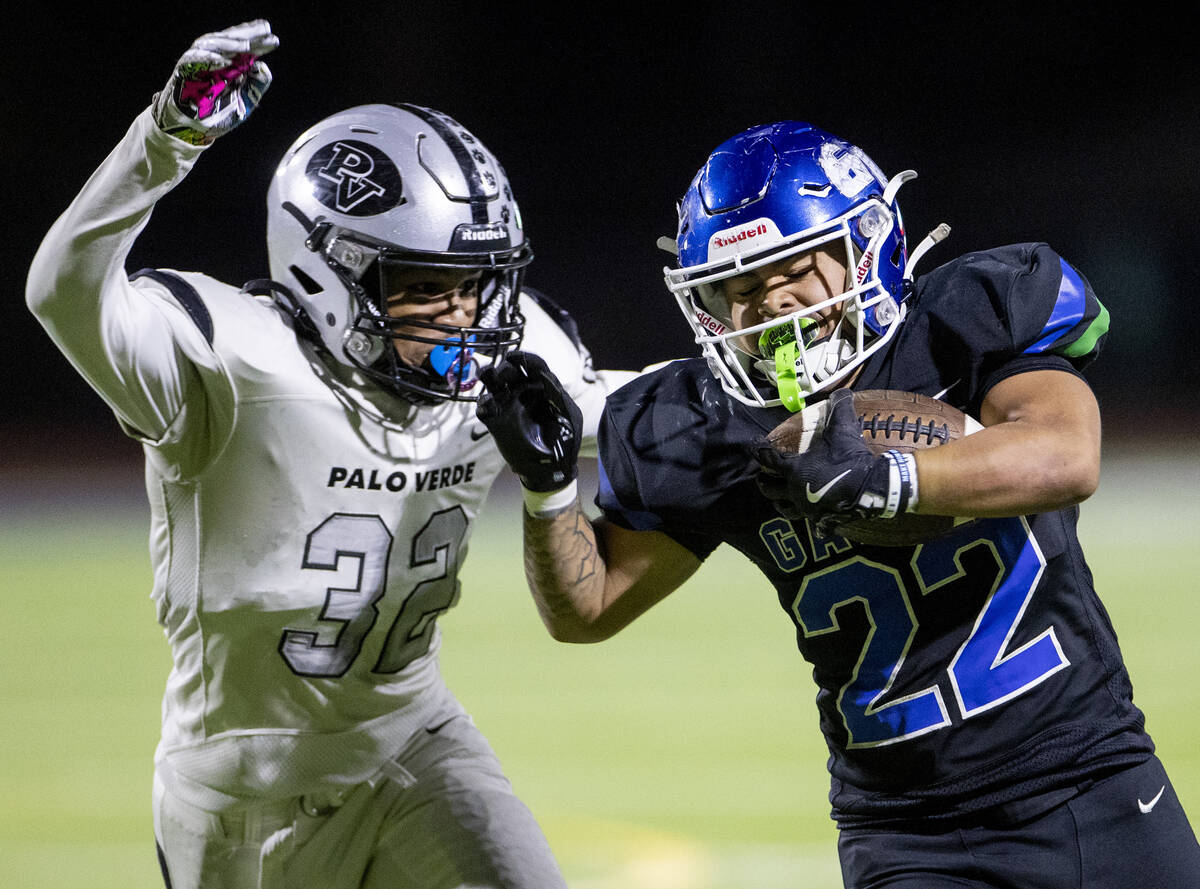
<point>542,505</point>
<point>902,484</point>
<point>911,505</point>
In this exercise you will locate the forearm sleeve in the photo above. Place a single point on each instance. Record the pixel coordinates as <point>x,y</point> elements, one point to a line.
<point>122,341</point>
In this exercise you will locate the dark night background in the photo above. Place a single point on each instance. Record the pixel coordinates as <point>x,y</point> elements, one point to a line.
<point>1076,128</point>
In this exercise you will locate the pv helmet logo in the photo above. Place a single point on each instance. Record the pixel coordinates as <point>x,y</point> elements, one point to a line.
<point>354,178</point>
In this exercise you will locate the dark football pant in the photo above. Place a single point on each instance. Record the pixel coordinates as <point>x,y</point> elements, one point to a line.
<point>1126,830</point>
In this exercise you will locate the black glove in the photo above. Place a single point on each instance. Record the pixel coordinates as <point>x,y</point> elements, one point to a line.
<point>838,479</point>
<point>536,424</point>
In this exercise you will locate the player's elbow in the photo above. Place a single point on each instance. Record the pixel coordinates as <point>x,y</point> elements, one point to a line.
<point>49,291</point>
<point>1079,469</point>
<point>573,635</point>
<point>574,629</point>
<point>1069,478</point>
<point>39,288</point>
<point>1080,480</point>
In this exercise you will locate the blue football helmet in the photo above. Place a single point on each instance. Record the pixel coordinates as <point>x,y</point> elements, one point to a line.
<point>768,193</point>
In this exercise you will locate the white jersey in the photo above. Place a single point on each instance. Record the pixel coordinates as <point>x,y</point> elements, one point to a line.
<point>306,526</point>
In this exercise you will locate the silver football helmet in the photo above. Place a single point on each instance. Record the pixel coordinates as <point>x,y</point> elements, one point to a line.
<point>378,189</point>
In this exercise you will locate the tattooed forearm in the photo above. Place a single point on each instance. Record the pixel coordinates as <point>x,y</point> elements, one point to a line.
<point>590,579</point>
<point>563,566</point>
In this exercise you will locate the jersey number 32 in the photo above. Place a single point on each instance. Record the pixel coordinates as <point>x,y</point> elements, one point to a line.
<point>350,613</point>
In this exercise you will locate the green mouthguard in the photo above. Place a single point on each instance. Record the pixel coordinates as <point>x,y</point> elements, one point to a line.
<point>780,343</point>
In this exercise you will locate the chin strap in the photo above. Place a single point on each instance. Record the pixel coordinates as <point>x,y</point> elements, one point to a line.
<point>286,300</point>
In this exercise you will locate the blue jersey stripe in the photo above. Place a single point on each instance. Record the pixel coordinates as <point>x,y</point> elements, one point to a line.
<point>1068,310</point>
<point>606,499</point>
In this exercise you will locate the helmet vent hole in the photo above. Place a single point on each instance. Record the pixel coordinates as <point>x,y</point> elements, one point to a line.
<point>362,129</point>
<point>310,286</point>
<point>330,319</point>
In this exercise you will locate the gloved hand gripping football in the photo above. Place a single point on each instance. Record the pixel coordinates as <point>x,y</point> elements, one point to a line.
<point>216,84</point>
<point>837,479</point>
<point>536,424</point>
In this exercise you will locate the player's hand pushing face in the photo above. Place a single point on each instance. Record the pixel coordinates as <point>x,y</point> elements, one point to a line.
<point>536,424</point>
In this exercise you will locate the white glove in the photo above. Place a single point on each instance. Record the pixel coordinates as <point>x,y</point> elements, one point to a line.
<point>216,84</point>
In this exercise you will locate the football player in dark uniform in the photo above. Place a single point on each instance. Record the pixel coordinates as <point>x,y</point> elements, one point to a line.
<point>978,714</point>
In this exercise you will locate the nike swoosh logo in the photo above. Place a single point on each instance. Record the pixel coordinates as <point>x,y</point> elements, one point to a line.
<point>1146,807</point>
<point>815,496</point>
<point>477,434</point>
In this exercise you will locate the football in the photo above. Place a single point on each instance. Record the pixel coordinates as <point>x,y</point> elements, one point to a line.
<point>891,420</point>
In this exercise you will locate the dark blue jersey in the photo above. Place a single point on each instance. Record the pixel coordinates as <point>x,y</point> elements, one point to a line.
<point>974,670</point>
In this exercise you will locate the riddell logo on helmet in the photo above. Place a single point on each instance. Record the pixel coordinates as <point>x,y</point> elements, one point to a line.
<point>470,237</point>
<point>720,239</point>
<point>755,234</point>
<point>709,323</point>
<point>864,266</point>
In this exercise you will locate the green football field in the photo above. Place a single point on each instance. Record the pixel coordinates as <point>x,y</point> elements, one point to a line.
<point>683,754</point>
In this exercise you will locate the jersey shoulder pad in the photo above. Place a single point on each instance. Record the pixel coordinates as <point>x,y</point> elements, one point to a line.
<point>245,335</point>
<point>1021,299</point>
<point>186,294</point>
<point>663,441</point>
<point>647,403</point>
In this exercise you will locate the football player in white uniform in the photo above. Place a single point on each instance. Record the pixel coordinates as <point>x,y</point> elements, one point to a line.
<point>314,466</point>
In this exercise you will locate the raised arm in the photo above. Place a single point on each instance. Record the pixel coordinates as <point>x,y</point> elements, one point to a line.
<point>77,287</point>
<point>215,86</point>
